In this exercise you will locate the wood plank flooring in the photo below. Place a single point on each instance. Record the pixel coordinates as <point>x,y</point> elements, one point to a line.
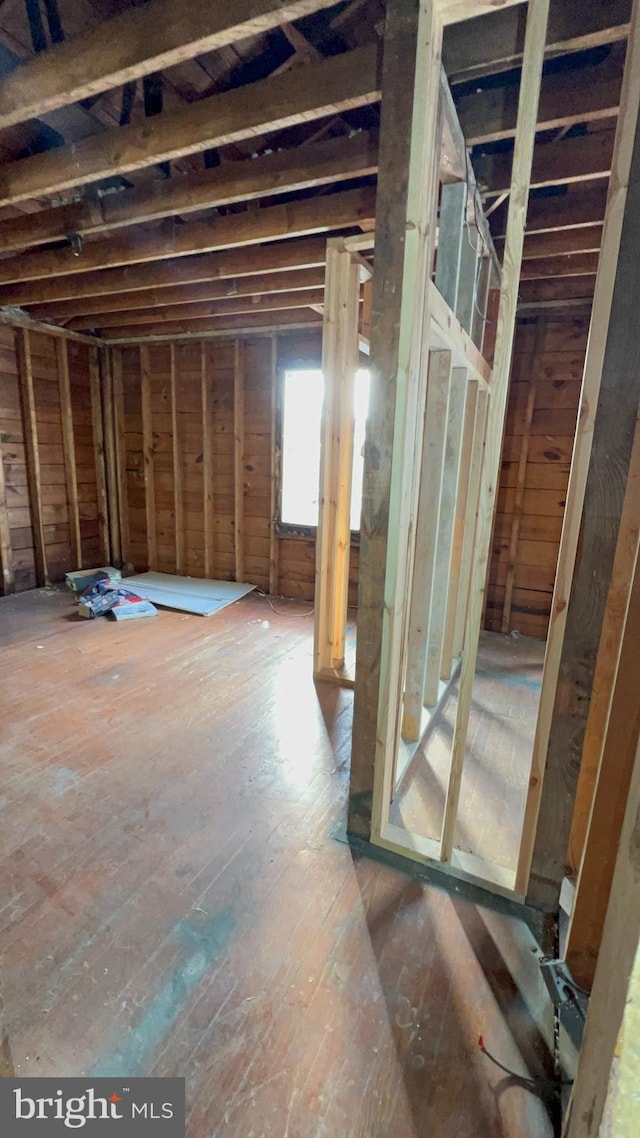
<point>174,901</point>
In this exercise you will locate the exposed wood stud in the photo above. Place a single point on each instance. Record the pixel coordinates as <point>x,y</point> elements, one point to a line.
<point>120,450</point>
<point>148,456</point>
<point>518,195</point>
<point>27,397</point>
<point>274,541</point>
<point>207,461</point>
<point>6,554</point>
<point>471,517</point>
<point>178,518</point>
<point>99,452</point>
<point>69,451</point>
<point>520,481</point>
<point>618,193</point>
<point>108,418</point>
<point>238,456</point>
<point>453,598</point>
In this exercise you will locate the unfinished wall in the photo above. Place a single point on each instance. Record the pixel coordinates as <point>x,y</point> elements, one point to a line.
<point>49,415</point>
<point>540,427</point>
<point>195,426</point>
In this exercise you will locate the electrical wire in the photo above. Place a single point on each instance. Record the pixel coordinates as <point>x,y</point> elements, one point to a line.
<point>525,1080</point>
<point>282,612</point>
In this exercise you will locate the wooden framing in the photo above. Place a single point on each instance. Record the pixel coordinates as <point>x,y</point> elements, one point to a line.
<point>550,874</point>
<point>25,380</point>
<point>99,450</point>
<point>207,462</point>
<point>274,544</point>
<point>117,389</point>
<point>333,542</point>
<point>460,524</point>
<point>177,465</point>
<point>238,458</point>
<point>69,451</point>
<point>148,457</point>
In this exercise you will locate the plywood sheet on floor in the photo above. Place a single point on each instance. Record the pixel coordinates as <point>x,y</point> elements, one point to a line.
<point>196,595</point>
<point>504,707</point>
<point>174,900</point>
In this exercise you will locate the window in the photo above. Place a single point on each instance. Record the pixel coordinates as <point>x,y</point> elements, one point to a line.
<point>301,418</point>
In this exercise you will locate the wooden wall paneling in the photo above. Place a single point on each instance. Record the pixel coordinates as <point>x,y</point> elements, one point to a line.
<point>339,365</point>
<point>514,241</point>
<point>427,526</point>
<point>120,451</point>
<point>190,407</point>
<point>99,453</point>
<point>6,552</point>
<point>163,456</point>
<point>220,370</point>
<point>207,463</point>
<point>148,455</point>
<point>238,458</point>
<point>602,302</point>
<point>444,541</point>
<point>68,447</point>
<point>274,543</point>
<point>516,517</point>
<point>178,515</point>
<point>25,376</point>
<point>405,245</point>
<point>12,436</point>
<point>460,521</point>
<point>134,459</point>
<point>79,365</point>
<point>451,234</point>
<point>257,459</point>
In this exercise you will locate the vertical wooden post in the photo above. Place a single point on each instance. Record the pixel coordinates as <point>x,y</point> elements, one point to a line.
<point>453,210</point>
<point>108,418</point>
<point>448,495</point>
<point>69,450</point>
<point>427,525</point>
<point>405,241</point>
<point>333,542</point>
<point>147,452</point>
<point>453,597</point>
<point>602,302</point>
<point>6,554</point>
<point>25,380</point>
<point>238,456</point>
<point>207,462</point>
<point>98,448</point>
<point>177,463</point>
<point>520,483</point>
<point>274,542</point>
<point>120,449</point>
<point>367,300</point>
<point>533,58</point>
<point>471,517</point>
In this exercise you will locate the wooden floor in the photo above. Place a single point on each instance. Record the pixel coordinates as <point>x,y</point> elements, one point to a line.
<point>504,707</point>
<point>175,900</point>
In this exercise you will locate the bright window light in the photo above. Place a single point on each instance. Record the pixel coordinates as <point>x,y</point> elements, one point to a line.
<point>301,418</point>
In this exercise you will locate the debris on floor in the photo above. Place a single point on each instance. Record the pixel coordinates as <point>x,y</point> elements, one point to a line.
<point>107,596</point>
<point>82,579</point>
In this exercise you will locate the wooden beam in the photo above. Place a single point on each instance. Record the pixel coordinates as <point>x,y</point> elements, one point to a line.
<point>30,422</point>
<point>564,265</point>
<point>305,252</point>
<point>178,517</point>
<point>148,456</point>
<point>94,310</point>
<point>120,444</point>
<point>69,451</point>
<point>448,498</point>
<point>587,239</point>
<point>405,246</point>
<point>518,194</point>
<point>560,289</point>
<point>489,114</point>
<point>570,208</point>
<point>459,523</point>
<point>471,518</point>
<point>110,451</point>
<point>207,461</point>
<point>294,219</point>
<point>99,453</point>
<point>333,545</point>
<point>427,526</point>
<point>342,82</point>
<point>495,43</point>
<point>274,540</point>
<point>266,322</point>
<point>136,43</point>
<point>6,553</point>
<point>579,159</point>
<point>238,457</point>
<point>330,161</point>
<point>556,676</point>
<point>274,302</point>
<point>610,995</point>
<point>265,316</point>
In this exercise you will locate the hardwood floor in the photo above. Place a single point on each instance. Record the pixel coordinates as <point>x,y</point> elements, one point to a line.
<point>174,900</point>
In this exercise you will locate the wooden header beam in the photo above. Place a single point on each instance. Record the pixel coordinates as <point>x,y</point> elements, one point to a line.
<point>317,90</point>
